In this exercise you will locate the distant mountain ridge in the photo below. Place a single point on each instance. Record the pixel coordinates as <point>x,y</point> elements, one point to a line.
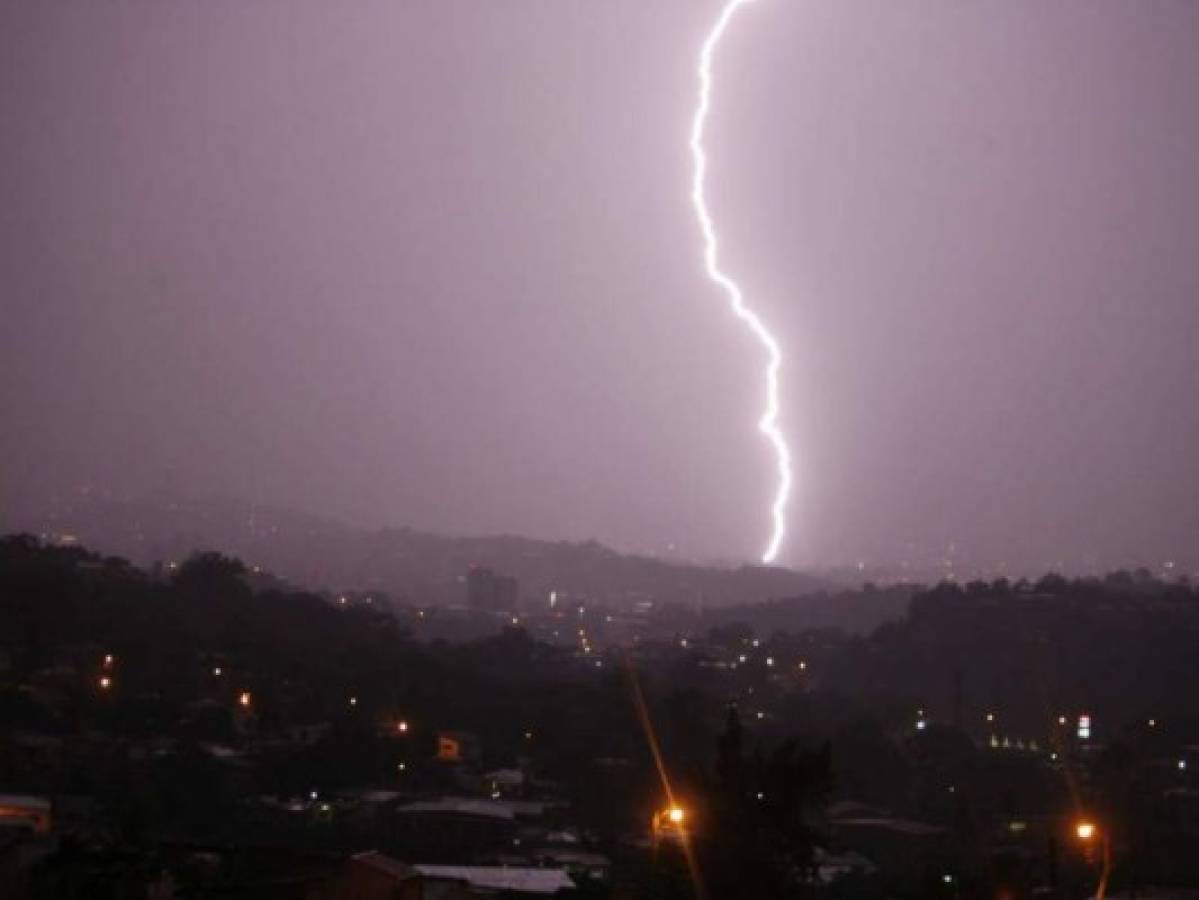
<point>322,553</point>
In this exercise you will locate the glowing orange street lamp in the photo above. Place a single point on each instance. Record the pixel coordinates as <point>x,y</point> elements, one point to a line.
<point>245,698</point>
<point>668,823</point>
<point>1087,832</point>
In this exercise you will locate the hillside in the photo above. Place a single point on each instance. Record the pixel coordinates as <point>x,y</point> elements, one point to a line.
<point>319,553</point>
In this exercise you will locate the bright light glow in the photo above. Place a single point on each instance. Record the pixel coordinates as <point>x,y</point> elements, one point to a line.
<point>244,699</point>
<point>1085,830</point>
<point>676,815</point>
<point>105,682</point>
<point>768,423</point>
<point>402,727</point>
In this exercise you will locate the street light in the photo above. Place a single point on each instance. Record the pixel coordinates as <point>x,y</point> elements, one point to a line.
<point>668,823</point>
<point>1087,831</point>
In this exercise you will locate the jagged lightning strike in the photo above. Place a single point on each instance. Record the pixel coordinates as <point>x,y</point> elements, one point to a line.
<point>768,423</point>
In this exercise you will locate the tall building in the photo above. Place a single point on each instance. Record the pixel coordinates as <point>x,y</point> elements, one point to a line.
<point>489,591</point>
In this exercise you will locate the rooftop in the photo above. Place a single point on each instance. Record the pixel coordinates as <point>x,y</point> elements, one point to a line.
<point>499,878</point>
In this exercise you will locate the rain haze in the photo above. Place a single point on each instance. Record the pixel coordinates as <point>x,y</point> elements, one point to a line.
<point>435,264</point>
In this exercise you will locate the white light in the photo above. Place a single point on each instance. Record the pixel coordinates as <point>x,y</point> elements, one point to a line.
<point>768,423</point>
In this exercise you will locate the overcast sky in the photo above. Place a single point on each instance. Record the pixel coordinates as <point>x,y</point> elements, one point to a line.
<point>434,263</point>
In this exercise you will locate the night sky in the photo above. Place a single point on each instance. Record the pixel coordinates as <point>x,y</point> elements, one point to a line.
<point>435,264</point>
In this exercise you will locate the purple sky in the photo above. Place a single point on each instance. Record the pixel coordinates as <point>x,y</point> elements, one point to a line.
<point>433,263</point>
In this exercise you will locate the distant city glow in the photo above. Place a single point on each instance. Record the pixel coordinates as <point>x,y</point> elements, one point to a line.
<point>768,422</point>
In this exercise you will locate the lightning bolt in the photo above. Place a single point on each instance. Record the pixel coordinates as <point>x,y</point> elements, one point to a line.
<point>768,423</point>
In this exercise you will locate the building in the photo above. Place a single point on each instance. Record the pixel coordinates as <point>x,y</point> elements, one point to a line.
<point>30,812</point>
<point>457,747</point>
<point>506,880</point>
<point>485,590</point>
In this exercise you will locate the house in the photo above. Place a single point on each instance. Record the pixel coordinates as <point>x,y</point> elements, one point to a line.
<point>30,812</point>
<point>457,747</point>
<point>376,876</point>
<point>504,783</point>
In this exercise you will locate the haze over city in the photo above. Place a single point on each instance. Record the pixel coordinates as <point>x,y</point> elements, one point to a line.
<point>434,264</point>
<point>611,450</point>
